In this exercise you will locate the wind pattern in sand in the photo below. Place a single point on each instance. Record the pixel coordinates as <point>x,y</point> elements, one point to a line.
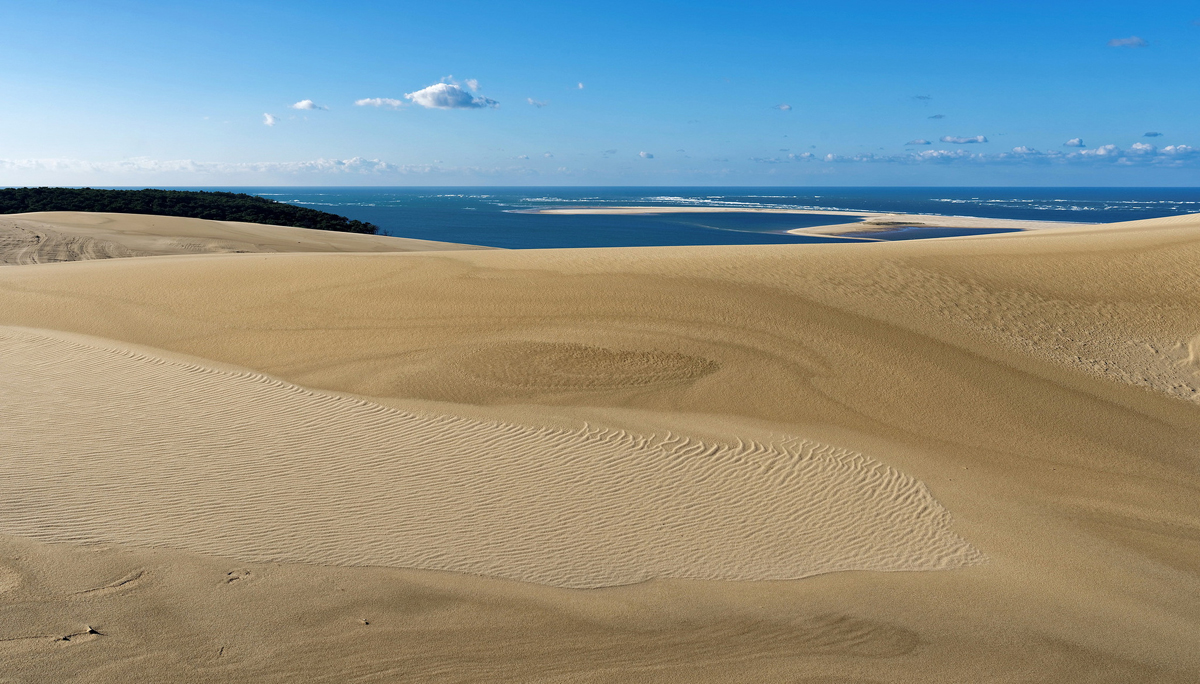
<point>105,445</point>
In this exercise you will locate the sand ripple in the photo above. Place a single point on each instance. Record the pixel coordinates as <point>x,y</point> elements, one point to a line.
<point>110,445</point>
<point>570,366</point>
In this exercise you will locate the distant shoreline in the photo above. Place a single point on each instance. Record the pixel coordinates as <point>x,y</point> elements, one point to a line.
<point>873,221</point>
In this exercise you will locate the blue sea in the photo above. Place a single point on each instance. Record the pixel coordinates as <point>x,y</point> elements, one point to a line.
<point>499,217</point>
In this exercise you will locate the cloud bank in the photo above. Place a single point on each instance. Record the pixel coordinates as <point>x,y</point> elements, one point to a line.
<point>316,171</point>
<point>147,165</point>
<point>449,96</point>
<point>1139,154</point>
<point>151,171</point>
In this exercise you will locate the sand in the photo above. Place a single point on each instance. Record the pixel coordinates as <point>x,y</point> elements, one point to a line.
<point>871,221</point>
<point>582,508</point>
<point>51,236</point>
<point>968,459</point>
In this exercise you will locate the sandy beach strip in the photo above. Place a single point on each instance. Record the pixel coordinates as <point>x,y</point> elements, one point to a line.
<point>872,221</point>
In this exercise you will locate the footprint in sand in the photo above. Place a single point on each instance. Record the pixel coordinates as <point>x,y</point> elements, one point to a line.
<point>1192,349</point>
<point>89,633</point>
<point>236,576</point>
<point>9,579</point>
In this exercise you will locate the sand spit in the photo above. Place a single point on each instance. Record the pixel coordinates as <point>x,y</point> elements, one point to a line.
<point>47,237</point>
<point>873,221</point>
<point>103,445</point>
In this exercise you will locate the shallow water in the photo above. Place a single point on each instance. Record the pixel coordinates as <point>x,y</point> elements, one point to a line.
<point>923,233</point>
<point>499,217</point>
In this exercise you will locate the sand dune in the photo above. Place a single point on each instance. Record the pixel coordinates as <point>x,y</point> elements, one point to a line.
<point>53,236</point>
<point>1028,397</point>
<point>103,445</point>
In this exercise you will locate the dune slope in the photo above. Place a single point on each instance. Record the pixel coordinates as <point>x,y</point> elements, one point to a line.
<point>1038,388</point>
<point>54,236</point>
<point>286,474</point>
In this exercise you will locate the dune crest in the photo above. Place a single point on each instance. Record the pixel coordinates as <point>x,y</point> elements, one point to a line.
<point>55,236</point>
<point>111,445</point>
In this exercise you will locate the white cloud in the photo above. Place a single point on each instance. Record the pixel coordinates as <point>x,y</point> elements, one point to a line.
<point>522,156</point>
<point>548,155</point>
<point>1143,148</point>
<point>581,85</point>
<point>645,155</point>
<point>1074,142</point>
<point>1024,150</point>
<point>958,140</point>
<point>802,155</point>
<point>269,119</point>
<point>380,102</point>
<point>783,107</point>
<point>308,104</point>
<point>1130,42</point>
<point>448,96</point>
<point>473,84</point>
<point>1179,150</point>
<point>536,103</point>
<point>1102,151</point>
<point>918,141</point>
<point>944,155</point>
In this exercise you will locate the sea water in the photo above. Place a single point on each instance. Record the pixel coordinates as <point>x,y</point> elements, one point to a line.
<point>502,217</point>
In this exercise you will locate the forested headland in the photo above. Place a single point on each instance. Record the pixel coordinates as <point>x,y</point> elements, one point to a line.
<point>215,206</point>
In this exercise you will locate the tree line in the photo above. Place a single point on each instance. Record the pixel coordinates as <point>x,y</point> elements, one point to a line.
<point>215,206</point>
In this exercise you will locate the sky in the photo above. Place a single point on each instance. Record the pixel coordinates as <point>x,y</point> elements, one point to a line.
<point>446,92</point>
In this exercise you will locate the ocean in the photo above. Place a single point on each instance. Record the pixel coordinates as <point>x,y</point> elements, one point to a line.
<point>497,217</point>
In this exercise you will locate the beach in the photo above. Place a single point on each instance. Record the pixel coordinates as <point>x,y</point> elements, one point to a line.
<point>871,221</point>
<point>237,452</point>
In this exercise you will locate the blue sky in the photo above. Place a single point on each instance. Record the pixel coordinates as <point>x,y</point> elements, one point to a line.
<point>622,93</point>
